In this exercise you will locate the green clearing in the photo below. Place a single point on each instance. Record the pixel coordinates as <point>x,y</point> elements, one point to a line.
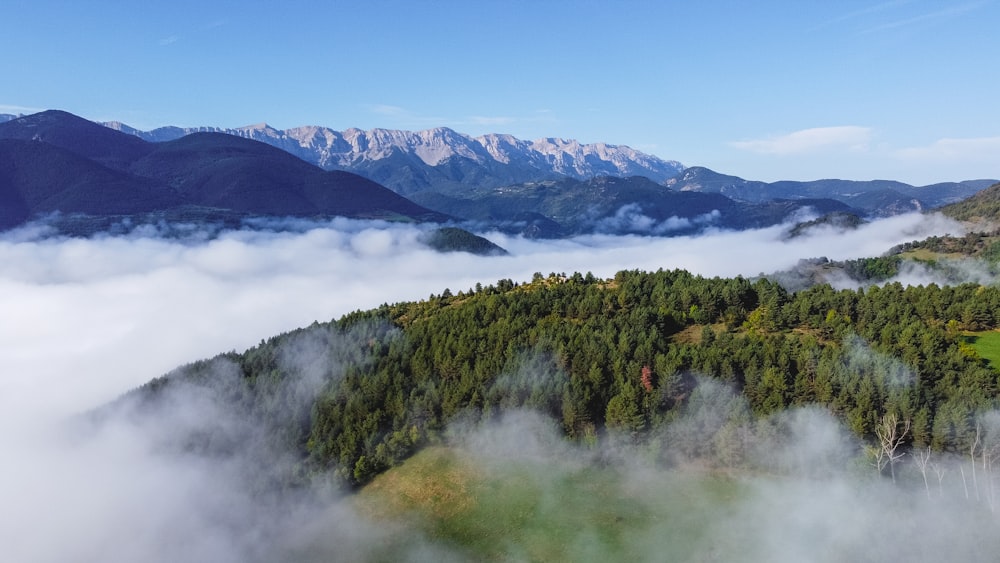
<point>927,255</point>
<point>546,511</point>
<point>448,504</point>
<point>987,345</point>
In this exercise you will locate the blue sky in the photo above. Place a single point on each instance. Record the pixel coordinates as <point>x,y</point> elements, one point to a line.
<point>800,90</point>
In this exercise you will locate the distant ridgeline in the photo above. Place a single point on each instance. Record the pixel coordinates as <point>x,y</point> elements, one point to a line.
<point>555,187</point>
<point>84,178</point>
<point>91,176</point>
<point>605,359</point>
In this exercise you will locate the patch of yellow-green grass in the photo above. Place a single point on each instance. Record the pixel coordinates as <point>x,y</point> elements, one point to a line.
<point>926,255</point>
<point>987,345</point>
<point>547,511</point>
<point>435,482</point>
<point>692,334</point>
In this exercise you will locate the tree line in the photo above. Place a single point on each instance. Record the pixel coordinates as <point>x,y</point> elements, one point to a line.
<point>624,356</point>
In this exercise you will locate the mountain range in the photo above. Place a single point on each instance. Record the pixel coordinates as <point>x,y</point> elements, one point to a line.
<point>874,197</point>
<point>425,164</point>
<point>605,204</point>
<point>54,161</point>
<point>440,159</point>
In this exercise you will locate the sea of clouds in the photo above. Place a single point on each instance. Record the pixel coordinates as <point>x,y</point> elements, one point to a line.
<point>86,320</point>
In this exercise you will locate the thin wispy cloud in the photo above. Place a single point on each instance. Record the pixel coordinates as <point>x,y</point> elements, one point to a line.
<point>953,150</point>
<point>925,18</point>
<point>504,120</point>
<point>193,31</point>
<point>215,25</point>
<point>868,11</point>
<point>488,120</point>
<point>817,139</point>
<point>386,109</point>
<point>407,119</point>
<point>404,118</point>
<point>7,108</point>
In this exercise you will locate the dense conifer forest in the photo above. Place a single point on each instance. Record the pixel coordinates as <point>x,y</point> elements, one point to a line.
<point>616,358</point>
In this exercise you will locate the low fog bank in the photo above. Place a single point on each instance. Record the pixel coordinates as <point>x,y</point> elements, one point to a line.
<point>194,472</point>
<point>815,494</point>
<point>88,319</point>
<point>943,271</point>
<point>153,303</point>
<point>138,489</point>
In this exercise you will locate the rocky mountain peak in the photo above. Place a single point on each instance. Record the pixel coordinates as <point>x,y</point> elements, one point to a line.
<point>498,158</point>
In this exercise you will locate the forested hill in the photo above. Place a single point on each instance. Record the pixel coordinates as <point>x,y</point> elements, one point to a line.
<point>983,206</point>
<point>621,357</point>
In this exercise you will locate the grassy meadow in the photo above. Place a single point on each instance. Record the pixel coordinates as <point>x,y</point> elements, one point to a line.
<point>987,345</point>
<point>526,511</point>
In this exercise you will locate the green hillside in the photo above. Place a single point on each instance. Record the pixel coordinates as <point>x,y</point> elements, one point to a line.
<point>982,207</point>
<point>541,511</point>
<point>504,506</point>
<point>619,357</point>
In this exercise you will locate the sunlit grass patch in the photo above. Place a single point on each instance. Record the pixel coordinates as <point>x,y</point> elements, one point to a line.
<point>987,345</point>
<point>542,511</point>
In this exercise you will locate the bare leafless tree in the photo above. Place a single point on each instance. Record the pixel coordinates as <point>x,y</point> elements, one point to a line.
<point>965,484</point>
<point>990,452</point>
<point>878,458</point>
<point>939,470</point>
<point>922,460</point>
<point>890,437</point>
<point>972,455</point>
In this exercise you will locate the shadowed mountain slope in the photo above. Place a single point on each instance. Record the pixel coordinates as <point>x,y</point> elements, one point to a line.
<point>616,205</point>
<point>875,197</point>
<point>37,178</point>
<point>57,162</point>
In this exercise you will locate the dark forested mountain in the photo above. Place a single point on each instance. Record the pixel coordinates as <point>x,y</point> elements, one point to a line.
<point>229,172</point>
<point>615,205</point>
<point>875,197</point>
<point>836,220</point>
<point>37,178</point>
<point>453,239</point>
<point>77,135</point>
<point>54,161</point>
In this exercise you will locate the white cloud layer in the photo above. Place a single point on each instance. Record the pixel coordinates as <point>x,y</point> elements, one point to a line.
<point>86,320</point>
<point>15,109</point>
<point>954,151</point>
<point>805,141</point>
<point>152,303</point>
